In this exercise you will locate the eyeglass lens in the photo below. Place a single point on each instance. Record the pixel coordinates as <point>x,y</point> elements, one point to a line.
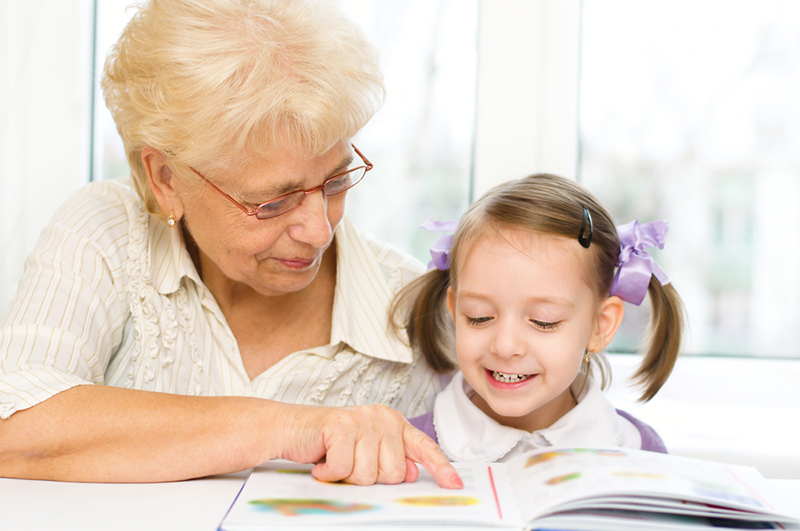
<point>333,186</point>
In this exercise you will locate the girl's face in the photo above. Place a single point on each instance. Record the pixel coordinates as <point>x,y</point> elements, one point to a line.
<point>524,316</point>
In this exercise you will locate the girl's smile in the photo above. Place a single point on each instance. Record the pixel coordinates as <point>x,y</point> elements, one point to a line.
<point>505,379</point>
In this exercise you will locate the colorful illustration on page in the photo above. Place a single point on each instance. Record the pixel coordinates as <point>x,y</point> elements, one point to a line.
<point>438,501</point>
<point>549,456</point>
<point>308,506</point>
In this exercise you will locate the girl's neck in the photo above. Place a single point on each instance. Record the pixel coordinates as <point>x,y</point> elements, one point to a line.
<point>538,419</point>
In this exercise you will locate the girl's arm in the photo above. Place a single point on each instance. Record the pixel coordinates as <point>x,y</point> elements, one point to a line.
<point>106,434</point>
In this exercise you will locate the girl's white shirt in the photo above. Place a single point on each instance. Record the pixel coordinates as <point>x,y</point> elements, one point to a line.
<point>467,434</point>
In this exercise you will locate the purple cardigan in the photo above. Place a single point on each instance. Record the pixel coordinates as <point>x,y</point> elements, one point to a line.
<point>651,441</point>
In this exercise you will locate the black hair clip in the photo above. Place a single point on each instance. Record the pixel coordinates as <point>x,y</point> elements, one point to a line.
<point>584,240</point>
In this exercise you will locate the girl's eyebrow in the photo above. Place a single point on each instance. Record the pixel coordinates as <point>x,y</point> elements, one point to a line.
<point>556,301</point>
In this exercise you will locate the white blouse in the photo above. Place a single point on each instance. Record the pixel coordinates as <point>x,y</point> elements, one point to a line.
<point>111,296</point>
<point>467,434</point>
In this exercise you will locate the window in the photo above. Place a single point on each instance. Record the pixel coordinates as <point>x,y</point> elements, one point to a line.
<point>689,112</point>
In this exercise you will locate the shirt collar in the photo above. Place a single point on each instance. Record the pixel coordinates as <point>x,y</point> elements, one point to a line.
<point>466,434</point>
<point>362,300</point>
<point>593,422</point>
<point>170,258</point>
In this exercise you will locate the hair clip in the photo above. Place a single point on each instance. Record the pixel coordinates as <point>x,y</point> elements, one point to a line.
<point>584,240</point>
<point>635,265</point>
<point>440,250</point>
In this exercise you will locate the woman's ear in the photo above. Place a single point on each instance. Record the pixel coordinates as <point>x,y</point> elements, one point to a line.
<point>159,177</point>
<point>609,318</point>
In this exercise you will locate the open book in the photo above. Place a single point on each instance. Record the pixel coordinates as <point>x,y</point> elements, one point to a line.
<point>572,488</point>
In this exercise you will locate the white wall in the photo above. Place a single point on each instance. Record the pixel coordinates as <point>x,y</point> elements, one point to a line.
<point>45,50</point>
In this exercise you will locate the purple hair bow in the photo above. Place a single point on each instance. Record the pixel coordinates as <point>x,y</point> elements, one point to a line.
<point>440,250</point>
<point>635,265</point>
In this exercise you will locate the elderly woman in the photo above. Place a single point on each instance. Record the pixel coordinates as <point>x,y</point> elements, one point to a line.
<point>196,318</point>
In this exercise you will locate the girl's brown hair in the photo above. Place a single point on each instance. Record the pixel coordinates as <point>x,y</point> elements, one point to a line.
<point>551,205</point>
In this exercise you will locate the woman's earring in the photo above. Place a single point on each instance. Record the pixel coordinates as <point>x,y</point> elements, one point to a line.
<point>587,356</point>
<point>171,221</point>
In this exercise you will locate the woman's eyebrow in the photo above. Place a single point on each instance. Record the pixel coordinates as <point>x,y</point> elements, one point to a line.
<point>347,160</point>
<point>287,187</point>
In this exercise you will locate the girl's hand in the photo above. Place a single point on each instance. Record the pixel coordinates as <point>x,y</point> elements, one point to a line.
<point>362,445</point>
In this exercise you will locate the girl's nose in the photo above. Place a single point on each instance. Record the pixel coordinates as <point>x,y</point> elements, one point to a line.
<point>509,340</point>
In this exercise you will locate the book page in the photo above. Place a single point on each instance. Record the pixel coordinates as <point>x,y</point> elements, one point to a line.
<point>557,479</point>
<point>285,494</point>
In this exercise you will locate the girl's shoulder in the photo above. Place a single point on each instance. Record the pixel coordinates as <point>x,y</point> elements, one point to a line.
<point>424,423</point>
<point>651,440</point>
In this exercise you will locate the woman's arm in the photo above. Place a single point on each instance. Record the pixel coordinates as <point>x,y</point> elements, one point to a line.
<point>107,434</point>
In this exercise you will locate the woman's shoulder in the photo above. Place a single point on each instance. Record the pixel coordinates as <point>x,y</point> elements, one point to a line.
<point>108,195</point>
<point>387,253</point>
<point>398,267</point>
<point>101,211</point>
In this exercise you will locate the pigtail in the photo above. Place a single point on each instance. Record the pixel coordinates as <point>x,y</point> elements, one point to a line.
<point>420,309</point>
<point>666,329</point>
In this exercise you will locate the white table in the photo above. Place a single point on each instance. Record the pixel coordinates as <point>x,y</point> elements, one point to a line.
<point>196,505</point>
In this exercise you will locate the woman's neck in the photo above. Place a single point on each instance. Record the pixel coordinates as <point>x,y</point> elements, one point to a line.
<point>268,328</point>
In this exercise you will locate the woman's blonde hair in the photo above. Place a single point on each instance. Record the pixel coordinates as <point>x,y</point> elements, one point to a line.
<point>206,81</point>
<point>552,205</point>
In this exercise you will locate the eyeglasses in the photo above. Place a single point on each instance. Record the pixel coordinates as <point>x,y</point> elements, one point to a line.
<point>341,182</point>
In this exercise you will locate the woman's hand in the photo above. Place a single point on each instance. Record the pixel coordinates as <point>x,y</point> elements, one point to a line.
<point>362,445</point>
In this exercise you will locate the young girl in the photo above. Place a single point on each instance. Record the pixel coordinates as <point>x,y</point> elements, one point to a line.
<point>534,282</point>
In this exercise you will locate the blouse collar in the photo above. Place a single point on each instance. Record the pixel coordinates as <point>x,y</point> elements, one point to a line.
<point>466,434</point>
<point>361,301</point>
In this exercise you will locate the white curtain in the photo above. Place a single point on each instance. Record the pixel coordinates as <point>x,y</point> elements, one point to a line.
<point>45,51</point>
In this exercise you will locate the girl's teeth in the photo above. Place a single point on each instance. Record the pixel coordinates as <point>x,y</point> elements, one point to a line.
<point>509,378</point>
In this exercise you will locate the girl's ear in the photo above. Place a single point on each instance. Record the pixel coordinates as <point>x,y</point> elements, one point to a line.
<point>159,177</point>
<point>451,303</point>
<point>608,320</point>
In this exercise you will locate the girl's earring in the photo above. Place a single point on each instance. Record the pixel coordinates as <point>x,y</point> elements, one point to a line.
<point>587,356</point>
<point>171,221</point>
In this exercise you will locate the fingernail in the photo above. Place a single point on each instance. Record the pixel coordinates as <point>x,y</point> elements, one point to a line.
<point>456,480</point>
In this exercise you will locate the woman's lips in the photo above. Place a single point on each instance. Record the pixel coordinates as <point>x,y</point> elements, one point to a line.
<point>298,264</point>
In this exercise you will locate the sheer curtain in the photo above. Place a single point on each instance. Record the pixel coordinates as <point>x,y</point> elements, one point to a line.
<point>45,87</point>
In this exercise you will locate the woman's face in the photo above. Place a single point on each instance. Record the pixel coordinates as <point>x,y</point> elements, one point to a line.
<point>273,256</point>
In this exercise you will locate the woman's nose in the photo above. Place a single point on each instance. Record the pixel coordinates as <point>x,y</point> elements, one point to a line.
<point>310,224</point>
